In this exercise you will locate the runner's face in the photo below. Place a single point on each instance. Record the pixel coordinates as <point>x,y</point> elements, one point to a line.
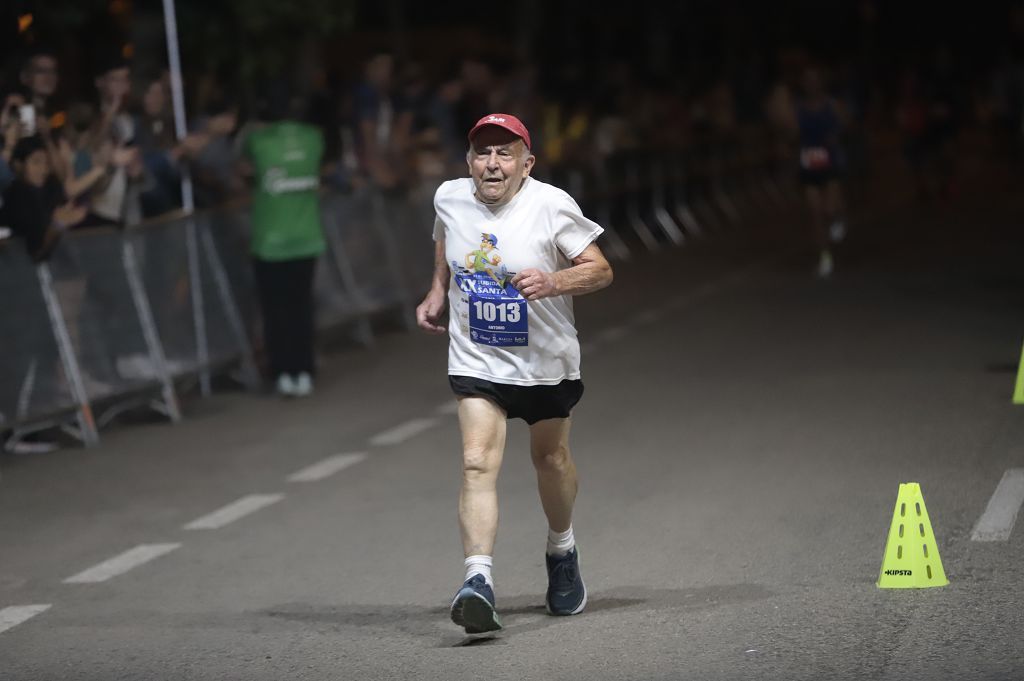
<point>498,163</point>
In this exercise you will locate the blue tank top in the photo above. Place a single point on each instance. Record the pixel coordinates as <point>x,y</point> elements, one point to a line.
<point>818,128</point>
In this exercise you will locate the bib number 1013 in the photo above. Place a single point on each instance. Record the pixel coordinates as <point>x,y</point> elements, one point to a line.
<point>509,313</point>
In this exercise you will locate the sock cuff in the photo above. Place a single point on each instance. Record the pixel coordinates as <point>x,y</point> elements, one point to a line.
<point>556,537</point>
<point>479,559</point>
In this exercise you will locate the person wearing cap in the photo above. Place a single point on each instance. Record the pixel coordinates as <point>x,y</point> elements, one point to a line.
<point>513,351</point>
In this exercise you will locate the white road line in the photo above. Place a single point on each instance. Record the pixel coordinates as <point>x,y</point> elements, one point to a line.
<point>402,432</point>
<point>612,334</point>
<point>669,308</point>
<point>996,523</point>
<point>648,317</point>
<point>118,565</point>
<point>712,287</point>
<point>234,511</point>
<point>448,409</point>
<point>327,467</point>
<point>14,615</point>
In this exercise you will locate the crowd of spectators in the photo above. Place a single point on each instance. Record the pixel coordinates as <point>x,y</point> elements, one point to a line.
<point>399,127</point>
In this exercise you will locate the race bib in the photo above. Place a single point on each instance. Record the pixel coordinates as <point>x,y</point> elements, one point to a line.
<point>499,320</point>
<point>498,313</point>
<point>815,158</point>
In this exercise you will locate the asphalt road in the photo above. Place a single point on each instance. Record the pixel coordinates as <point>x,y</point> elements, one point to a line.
<point>741,441</point>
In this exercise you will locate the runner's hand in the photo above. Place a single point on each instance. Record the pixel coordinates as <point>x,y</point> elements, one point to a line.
<point>535,284</point>
<point>428,313</point>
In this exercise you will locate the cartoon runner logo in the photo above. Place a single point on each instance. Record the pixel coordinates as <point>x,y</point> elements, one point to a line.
<point>497,312</point>
<point>487,259</point>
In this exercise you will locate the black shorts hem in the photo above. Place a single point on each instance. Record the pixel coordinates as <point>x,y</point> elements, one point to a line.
<point>531,403</point>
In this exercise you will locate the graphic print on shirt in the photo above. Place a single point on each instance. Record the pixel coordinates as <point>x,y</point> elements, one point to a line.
<point>497,311</point>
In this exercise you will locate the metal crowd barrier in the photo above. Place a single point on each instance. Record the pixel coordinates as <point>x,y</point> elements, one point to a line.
<point>121,319</point>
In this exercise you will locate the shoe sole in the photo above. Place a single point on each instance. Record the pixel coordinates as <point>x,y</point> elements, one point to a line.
<point>579,608</point>
<point>474,613</point>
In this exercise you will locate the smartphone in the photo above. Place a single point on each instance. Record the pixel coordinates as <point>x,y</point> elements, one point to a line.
<point>27,115</point>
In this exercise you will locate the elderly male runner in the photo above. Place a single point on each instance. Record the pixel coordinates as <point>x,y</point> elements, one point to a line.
<point>510,253</point>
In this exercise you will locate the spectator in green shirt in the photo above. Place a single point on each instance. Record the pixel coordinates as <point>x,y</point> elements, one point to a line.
<point>287,238</point>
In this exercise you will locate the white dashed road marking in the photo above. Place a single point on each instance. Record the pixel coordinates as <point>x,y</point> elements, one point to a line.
<point>996,523</point>
<point>327,467</point>
<point>234,511</point>
<point>402,432</point>
<point>118,565</point>
<point>612,334</point>
<point>14,615</point>
<point>712,287</point>
<point>448,408</point>
<point>647,317</point>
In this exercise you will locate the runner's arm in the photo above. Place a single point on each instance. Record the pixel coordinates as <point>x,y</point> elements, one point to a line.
<point>590,272</point>
<point>429,312</point>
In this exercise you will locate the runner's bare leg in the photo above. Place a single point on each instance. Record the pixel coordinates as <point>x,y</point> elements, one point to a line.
<point>483,444</point>
<point>556,471</point>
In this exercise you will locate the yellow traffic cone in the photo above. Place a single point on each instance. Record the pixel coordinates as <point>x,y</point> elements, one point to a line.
<point>911,559</point>
<point>1018,390</point>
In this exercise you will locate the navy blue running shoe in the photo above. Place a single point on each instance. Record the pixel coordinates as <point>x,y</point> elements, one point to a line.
<point>567,595</point>
<point>473,607</point>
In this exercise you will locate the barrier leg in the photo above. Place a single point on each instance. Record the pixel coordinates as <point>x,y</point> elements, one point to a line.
<point>682,210</point>
<point>659,207</point>
<point>250,375</point>
<point>86,431</point>
<point>339,258</point>
<point>636,220</point>
<point>384,229</point>
<point>198,308</point>
<point>169,405</point>
<point>616,244</point>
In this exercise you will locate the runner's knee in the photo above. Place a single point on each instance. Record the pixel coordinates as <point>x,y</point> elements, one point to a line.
<point>556,460</point>
<point>478,462</point>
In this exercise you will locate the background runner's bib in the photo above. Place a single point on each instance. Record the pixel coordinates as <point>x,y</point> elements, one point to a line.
<point>494,333</point>
<point>815,158</point>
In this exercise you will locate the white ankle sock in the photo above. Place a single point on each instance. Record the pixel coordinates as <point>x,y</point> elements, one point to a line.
<point>480,565</point>
<point>560,543</point>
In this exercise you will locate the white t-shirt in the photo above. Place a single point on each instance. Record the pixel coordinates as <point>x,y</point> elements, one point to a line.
<point>494,333</point>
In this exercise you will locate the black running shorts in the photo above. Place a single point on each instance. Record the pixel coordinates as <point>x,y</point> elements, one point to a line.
<point>532,403</point>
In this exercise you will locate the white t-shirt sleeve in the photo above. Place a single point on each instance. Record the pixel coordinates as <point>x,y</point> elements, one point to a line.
<point>573,231</point>
<point>439,225</point>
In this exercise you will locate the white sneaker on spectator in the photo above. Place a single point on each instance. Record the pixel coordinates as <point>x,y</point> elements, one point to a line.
<point>837,231</point>
<point>825,265</point>
<point>286,385</point>
<point>94,387</point>
<point>31,445</point>
<point>304,385</point>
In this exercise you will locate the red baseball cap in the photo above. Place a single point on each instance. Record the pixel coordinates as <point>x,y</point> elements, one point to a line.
<point>502,120</point>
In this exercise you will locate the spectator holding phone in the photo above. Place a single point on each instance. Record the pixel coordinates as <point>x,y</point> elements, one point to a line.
<point>35,207</point>
<point>11,130</point>
<point>115,200</point>
<point>40,77</point>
